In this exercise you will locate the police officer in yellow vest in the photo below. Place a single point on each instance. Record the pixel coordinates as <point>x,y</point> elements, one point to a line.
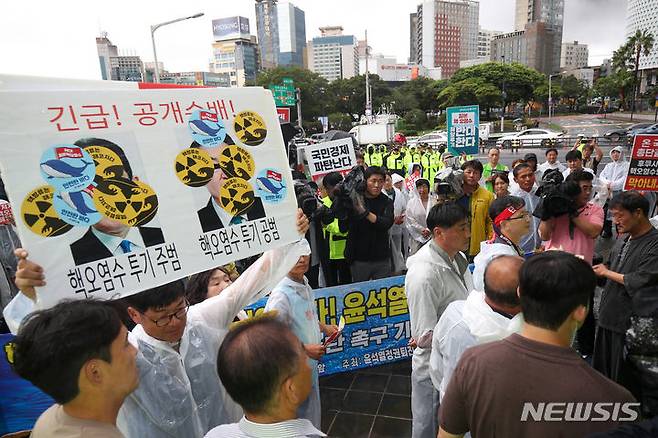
<point>376,158</point>
<point>338,271</point>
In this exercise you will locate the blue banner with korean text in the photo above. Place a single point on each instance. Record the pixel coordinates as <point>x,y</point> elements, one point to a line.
<point>377,327</point>
<point>463,123</point>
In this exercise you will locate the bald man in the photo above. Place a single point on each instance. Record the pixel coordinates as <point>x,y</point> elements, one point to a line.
<point>483,317</point>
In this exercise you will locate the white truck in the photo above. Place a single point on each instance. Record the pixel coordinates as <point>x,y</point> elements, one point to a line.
<point>376,133</point>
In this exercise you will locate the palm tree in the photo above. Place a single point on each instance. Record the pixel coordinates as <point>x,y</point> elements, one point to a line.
<point>640,43</point>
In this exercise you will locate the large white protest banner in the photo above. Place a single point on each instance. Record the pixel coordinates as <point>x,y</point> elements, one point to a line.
<point>117,191</point>
<point>330,156</point>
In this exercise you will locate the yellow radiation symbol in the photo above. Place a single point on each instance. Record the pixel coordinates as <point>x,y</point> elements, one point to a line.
<point>108,164</point>
<point>194,167</point>
<point>236,196</point>
<point>132,203</point>
<point>39,214</point>
<point>250,128</point>
<point>236,162</point>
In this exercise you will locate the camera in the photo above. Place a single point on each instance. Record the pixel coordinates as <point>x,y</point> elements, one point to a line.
<point>557,197</point>
<point>353,184</point>
<point>448,185</point>
<point>306,196</point>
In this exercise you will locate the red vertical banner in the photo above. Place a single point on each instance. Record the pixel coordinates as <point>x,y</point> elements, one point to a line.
<point>643,170</point>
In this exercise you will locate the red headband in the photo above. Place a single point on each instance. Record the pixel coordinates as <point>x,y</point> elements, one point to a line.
<point>504,215</point>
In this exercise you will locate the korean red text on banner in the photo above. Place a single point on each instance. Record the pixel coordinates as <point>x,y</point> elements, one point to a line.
<point>110,206</point>
<point>643,169</point>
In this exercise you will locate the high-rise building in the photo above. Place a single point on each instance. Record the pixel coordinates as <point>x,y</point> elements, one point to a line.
<point>532,47</point>
<point>549,12</point>
<point>413,38</point>
<point>117,67</point>
<point>484,42</point>
<point>643,15</point>
<point>281,29</point>
<point>574,56</point>
<point>333,55</point>
<point>447,33</point>
<point>235,51</point>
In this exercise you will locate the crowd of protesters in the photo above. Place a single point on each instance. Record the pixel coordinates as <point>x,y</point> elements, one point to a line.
<point>500,290</point>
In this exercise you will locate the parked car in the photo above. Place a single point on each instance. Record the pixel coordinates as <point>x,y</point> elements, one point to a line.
<point>530,137</point>
<point>433,139</point>
<point>650,129</point>
<point>618,133</point>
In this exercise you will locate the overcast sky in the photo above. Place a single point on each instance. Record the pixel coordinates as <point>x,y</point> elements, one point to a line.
<point>56,38</point>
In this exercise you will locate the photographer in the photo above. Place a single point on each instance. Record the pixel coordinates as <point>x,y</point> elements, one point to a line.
<point>368,249</point>
<point>587,219</point>
<point>576,232</point>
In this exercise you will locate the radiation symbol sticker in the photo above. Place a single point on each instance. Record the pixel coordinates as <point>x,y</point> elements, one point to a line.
<point>194,167</point>
<point>108,164</point>
<point>250,128</point>
<point>236,162</point>
<point>236,196</point>
<point>132,203</point>
<point>39,214</point>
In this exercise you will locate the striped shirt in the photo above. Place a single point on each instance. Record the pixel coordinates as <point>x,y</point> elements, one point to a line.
<point>247,429</point>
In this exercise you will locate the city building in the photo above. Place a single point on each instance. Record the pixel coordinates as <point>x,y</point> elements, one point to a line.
<point>281,29</point>
<point>643,15</point>
<point>413,38</point>
<point>574,56</point>
<point>199,78</point>
<point>333,55</point>
<point>235,51</point>
<point>549,12</point>
<point>532,47</point>
<point>446,33</point>
<point>583,74</point>
<point>484,42</point>
<point>116,67</point>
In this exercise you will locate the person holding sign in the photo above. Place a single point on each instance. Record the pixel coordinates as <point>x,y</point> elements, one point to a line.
<point>180,394</point>
<point>294,302</point>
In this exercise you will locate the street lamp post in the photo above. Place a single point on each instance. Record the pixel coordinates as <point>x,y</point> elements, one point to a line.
<point>550,96</point>
<point>155,27</point>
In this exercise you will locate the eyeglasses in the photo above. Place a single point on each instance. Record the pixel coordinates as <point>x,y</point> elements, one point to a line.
<point>525,215</point>
<point>166,320</point>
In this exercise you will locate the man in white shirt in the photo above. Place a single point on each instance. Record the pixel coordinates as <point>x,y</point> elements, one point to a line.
<point>437,275</point>
<point>481,318</point>
<point>264,368</point>
<point>550,163</point>
<point>525,178</point>
<point>575,162</point>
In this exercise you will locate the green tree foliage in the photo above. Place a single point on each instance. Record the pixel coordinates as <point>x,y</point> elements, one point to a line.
<point>519,80</point>
<point>349,95</point>
<point>574,90</point>
<point>627,57</point>
<point>340,121</point>
<point>313,88</point>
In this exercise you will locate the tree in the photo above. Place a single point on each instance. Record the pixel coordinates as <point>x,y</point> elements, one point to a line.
<point>574,90</point>
<point>627,57</point>
<point>349,95</point>
<point>471,91</point>
<point>518,80</point>
<point>340,121</point>
<point>313,88</point>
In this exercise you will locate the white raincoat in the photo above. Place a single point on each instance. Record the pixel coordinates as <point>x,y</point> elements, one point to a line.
<point>433,281</point>
<point>488,252</point>
<point>615,172</point>
<point>464,324</point>
<point>180,394</point>
<point>416,216</point>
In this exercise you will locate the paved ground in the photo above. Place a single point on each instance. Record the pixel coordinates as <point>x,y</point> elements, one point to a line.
<point>369,403</point>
